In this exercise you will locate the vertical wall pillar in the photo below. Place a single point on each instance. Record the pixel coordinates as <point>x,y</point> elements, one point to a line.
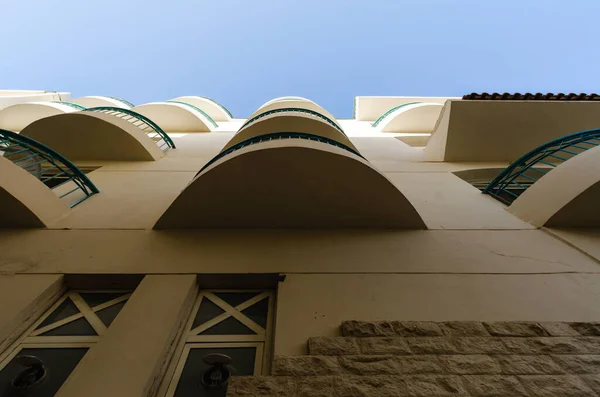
<point>23,299</point>
<point>131,358</point>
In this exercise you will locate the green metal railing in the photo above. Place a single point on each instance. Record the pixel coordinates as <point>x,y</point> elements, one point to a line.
<point>197,109</point>
<point>278,136</point>
<point>121,100</point>
<point>392,110</point>
<point>71,104</point>
<point>49,167</point>
<point>152,130</point>
<point>298,110</point>
<point>218,104</point>
<point>525,171</point>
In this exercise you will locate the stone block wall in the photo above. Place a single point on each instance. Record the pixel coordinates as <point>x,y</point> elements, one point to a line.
<point>431,359</point>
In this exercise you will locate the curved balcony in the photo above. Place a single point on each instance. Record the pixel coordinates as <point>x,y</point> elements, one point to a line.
<point>293,102</point>
<point>290,180</point>
<point>528,169</point>
<point>213,108</point>
<point>418,117</point>
<point>291,119</point>
<point>177,116</point>
<point>17,117</point>
<point>276,136</point>
<point>99,136</point>
<point>67,181</point>
<point>98,101</point>
<point>150,128</point>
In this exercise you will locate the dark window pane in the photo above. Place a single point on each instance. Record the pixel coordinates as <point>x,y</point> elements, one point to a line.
<point>229,326</point>
<point>95,299</point>
<point>206,311</point>
<point>258,312</point>
<point>190,385</point>
<point>60,363</point>
<point>236,298</point>
<point>79,327</point>
<point>66,309</point>
<point>110,313</point>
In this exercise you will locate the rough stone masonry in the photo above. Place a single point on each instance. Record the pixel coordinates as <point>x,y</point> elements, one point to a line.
<point>431,359</point>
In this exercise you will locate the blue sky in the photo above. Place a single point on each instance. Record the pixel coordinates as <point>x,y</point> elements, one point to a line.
<point>243,53</point>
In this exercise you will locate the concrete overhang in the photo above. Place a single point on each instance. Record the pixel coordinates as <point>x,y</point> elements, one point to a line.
<point>370,108</point>
<point>214,109</point>
<point>567,196</point>
<point>26,202</point>
<point>292,102</point>
<point>94,136</point>
<point>17,117</point>
<point>504,130</point>
<point>296,121</point>
<point>176,117</point>
<point>290,183</point>
<point>100,101</point>
<point>418,117</point>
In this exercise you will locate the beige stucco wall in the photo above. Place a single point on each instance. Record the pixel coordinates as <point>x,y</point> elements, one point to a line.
<point>311,304</point>
<point>476,261</point>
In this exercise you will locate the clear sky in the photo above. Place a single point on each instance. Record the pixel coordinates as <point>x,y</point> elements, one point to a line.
<point>245,52</point>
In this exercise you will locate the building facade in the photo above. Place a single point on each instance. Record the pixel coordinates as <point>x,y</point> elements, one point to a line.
<point>429,246</point>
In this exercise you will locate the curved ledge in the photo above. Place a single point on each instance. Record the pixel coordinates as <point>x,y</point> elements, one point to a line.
<point>213,108</point>
<point>410,117</point>
<point>150,128</point>
<point>294,102</point>
<point>567,196</point>
<point>294,119</point>
<point>177,116</point>
<point>97,101</point>
<point>17,117</point>
<point>94,136</point>
<point>25,202</point>
<point>290,183</point>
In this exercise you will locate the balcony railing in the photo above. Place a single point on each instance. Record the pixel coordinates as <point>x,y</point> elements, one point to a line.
<point>219,105</point>
<point>122,100</point>
<point>278,136</point>
<point>297,110</point>
<point>52,169</point>
<point>71,104</point>
<point>197,109</point>
<point>152,130</point>
<point>524,172</point>
<point>392,110</point>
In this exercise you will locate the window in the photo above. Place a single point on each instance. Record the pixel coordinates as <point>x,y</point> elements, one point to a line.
<point>59,340</point>
<point>236,323</point>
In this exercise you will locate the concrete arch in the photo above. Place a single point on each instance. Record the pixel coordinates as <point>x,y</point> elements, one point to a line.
<point>214,109</point>
<point>290,121</point>
<point>293,102</point>
<point>176,117</point>
<point>17,117</point>
<point>567,196</point>
<point>413,117</point>
<point>290,183</point>
<point>100,101</point>
<point>26,202</point>
<point>93,136</point>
